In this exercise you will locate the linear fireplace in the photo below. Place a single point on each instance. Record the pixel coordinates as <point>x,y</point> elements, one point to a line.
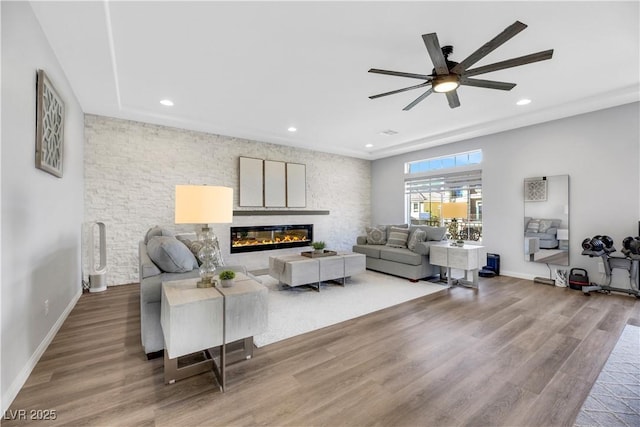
<point>268,237</point>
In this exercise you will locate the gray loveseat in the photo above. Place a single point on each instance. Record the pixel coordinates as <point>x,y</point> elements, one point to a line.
<point>151,278</point>
<point>389,256</point>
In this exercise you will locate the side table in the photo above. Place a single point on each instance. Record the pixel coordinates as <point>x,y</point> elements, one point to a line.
<point>219,321</point>
<point>468,258</point>
<point>192,320</point>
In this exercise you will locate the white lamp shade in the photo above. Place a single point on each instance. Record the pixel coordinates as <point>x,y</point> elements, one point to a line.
<point>203,204</point>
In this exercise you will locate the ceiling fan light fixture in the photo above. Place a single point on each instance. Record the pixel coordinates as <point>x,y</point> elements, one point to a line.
<point>443,84</point>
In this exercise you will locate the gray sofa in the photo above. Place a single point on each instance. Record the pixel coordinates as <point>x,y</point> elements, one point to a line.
<point>164,257</point>
<point>151,278</point>
<point>545,230</point>
<point>411,262</point>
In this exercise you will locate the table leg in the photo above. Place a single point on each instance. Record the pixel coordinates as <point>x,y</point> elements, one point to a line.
<point>450,281</point>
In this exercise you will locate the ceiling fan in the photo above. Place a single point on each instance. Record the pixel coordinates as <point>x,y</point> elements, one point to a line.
<point>448,75</point>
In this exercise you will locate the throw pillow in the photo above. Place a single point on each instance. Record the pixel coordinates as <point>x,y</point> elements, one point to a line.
<point>533,226</point>
<point>193,245</point>
<point>435,233</point>
<point>376,235</point>
<point>416,236</point>
<point>545,224</point>
<point>170,255</point>
<point>398,237</point>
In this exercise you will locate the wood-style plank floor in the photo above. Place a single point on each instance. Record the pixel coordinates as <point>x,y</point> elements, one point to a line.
<point>512,353</point>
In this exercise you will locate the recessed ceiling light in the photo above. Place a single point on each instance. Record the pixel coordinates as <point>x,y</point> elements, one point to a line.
<point>167,102</point>
<point>292,129</point>
<point>369,145</point>
<point>523,101</point>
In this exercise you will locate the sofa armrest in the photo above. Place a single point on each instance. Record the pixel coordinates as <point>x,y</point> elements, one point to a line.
<point>422,248</point>
<point>147,267</point>
<point>361,240</point>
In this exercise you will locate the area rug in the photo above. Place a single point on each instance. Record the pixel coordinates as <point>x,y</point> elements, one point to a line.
<point>614,399</point>
<point>295,311</point>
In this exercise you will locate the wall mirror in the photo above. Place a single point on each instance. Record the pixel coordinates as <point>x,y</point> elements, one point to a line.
<point>546,219</point>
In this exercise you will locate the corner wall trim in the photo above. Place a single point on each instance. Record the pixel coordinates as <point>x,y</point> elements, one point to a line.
<point>278,212</point>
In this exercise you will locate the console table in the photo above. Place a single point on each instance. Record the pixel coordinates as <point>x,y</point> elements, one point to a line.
<point>220,322</point>
<point>469,258</point>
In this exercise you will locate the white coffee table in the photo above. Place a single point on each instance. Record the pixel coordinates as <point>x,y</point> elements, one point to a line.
<point>298,270</point>
<point>469,258</point>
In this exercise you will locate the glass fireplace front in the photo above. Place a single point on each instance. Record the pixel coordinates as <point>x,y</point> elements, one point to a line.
<point>268,237</point>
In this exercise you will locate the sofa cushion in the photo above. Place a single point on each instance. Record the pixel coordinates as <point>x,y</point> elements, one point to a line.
<point>435,233</point>
<point>401,255</point>
<point>397,237</point>
<point>151,287</point>
<point>376,235</point>
<point>155,232</point>
<point>416,235</point>
<point>372,251</point>
<point>423,248</point>
<point>545,224</point>
<point>171,255</point>
<point>193,245</point>
<point>533,226</point>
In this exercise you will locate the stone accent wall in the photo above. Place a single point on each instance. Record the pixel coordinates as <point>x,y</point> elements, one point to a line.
<point>131,170</point>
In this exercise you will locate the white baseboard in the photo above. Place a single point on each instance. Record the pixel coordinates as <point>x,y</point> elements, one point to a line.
<point>518,275</point>
<point>22,377</point>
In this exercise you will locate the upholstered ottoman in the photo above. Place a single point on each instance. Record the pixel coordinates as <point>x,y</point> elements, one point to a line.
<point>294,270</point>
<point>354,264</point>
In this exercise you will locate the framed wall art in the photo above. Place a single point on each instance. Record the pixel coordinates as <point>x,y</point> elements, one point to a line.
<point>49,126</point>
<point>535,189</point>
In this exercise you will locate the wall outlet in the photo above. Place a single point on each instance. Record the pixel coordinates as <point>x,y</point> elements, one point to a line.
<point>46,307</point>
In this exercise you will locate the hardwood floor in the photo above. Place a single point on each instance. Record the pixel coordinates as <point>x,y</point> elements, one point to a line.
<point>512,353</point>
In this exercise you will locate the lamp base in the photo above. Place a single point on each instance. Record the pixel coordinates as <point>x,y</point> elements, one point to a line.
<point>204,283</point>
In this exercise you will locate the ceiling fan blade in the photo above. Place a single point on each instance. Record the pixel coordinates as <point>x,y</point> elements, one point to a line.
<point>453,99</point>
<point>489,46</point>
<point>418,99</point>
<point>435,53</point>
<point>489,84</point>
<point>515,62</point>
<point>401,74</point>
<point>393,92</point>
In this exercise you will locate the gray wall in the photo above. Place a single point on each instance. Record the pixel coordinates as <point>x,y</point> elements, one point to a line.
<point>131,170</point>
<point>41,214</point>
<point>599,151</point>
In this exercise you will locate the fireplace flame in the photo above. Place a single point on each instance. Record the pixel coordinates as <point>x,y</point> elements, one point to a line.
<point>283,239</point>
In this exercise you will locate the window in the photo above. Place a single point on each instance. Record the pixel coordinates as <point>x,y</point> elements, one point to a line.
<point>446,162</point>
<point>450,196</point>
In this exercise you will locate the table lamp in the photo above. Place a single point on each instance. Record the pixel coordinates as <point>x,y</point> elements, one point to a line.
<point>203,204</point>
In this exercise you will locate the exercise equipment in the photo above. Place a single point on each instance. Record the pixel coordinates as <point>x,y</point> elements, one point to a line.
<point>602,247</point>
<point>578,278</point>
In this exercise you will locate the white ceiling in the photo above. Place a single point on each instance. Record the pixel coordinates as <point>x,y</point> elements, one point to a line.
<point>253,69</point>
